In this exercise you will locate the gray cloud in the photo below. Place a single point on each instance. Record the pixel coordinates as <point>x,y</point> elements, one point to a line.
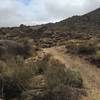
<point>14,12</point>
<point>67,8</point>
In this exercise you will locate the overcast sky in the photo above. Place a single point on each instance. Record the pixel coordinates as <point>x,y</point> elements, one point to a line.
<point>31,12</point>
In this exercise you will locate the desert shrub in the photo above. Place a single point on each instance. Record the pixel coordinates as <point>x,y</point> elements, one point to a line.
<point>15,75</point>
<point>47,73</point>
<point>10,48</point>
<point>95,59</point>
<point>64,92</point>
<point>37,82</point>
<point>52,76</point>
<point>98,45</point>
<point>61,93</point>
<point>73,78</point>
<point>85,50</point>
<point>40,66</point>
<point>16,68</point>
<point>80,48</point>
<point>10,88</point>
<point>57,74</point>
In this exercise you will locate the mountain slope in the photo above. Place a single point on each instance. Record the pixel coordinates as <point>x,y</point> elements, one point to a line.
<point>87,24</point>
<point>77,27</point>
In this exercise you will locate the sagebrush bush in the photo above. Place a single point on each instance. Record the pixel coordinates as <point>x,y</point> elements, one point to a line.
<point>16,69</point>
<point>58,74</point>
<point>55,73</point>
<point>73,78</point>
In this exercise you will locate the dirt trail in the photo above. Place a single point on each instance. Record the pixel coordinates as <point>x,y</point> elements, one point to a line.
<point>90,73</point>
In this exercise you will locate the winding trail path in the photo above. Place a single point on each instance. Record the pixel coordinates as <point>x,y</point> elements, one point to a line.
<point>89,72</point>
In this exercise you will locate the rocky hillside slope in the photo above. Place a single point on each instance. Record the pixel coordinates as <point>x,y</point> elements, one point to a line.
<point>73,27</point>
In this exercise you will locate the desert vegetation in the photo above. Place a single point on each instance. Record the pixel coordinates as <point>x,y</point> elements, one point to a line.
<point>46,79</point>
<point>26,75</point>
<point>88,49</point>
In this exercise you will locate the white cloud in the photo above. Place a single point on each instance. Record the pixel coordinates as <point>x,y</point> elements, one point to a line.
<point>15,12</point>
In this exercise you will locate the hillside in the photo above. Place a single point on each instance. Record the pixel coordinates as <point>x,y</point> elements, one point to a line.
<point>55,61</point>
<point>88,24</point>
<point>76,27</point>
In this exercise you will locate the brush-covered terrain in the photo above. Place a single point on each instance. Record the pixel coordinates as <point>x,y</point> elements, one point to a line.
<point>55,61</point>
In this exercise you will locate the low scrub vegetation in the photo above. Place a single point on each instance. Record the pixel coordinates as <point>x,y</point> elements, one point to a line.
<point>95,59</point>
<point>9,48</point>
<point>81,47</point>
<point>89,49</point>
<point>44,79</point>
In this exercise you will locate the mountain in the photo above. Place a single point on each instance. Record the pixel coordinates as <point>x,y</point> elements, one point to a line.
<point>87,24</point>
<point>91,17</point>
